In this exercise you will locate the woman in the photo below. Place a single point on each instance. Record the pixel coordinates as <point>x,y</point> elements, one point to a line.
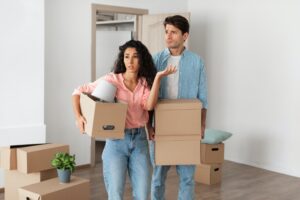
<point>137,84</point>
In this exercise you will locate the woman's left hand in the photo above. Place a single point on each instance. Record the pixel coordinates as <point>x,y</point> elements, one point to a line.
<point>169,70</point>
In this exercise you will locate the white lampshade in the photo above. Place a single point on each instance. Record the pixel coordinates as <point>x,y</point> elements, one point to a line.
<point>105,91</point>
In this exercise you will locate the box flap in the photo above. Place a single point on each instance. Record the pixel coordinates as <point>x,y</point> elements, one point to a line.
<point>8,158</point>
<point>178,104</point>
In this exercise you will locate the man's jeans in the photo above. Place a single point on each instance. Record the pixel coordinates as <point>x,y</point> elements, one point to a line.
<point>129,154</point>
<point>186,179</point>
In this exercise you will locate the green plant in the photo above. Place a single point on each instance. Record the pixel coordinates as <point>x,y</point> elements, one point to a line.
<point>64,161</point>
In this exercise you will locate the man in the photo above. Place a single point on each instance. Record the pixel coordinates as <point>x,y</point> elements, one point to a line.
<point>189,82</point>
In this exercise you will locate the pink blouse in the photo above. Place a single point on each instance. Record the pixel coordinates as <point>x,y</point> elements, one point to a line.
<point>137,115</point>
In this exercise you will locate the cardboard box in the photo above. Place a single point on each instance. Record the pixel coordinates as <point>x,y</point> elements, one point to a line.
<point>8,156</point>
<point>38,158</point>
<point>212,153</point>
<point>77,189</point>
<point>105,120</point>
<point>177,150</point>
<point>178,117</point>
<point>14,179</point>
<point>208,174</point>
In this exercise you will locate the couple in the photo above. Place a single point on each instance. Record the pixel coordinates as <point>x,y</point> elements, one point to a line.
<point>173,73</point>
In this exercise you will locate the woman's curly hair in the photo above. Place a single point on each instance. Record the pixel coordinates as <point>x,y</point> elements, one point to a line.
<point>147,69</point>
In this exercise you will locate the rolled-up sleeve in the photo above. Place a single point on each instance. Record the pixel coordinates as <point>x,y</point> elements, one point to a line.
<point>90,87</point>
<point>86,88</point>
<point>112,78</point>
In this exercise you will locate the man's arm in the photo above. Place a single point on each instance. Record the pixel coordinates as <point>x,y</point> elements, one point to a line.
<point>203,121</point>
<point>202,95</point>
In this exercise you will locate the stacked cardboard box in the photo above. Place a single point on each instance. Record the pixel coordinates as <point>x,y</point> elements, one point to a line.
<point>77,189</point>
<point>25,165</point>
<point>177,132</point>
<point>104,120</point>
<point>210,169</point>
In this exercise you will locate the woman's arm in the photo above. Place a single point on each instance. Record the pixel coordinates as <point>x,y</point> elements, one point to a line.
<point>86,88</point>
<point>153,96</point>
<point>80,120</point>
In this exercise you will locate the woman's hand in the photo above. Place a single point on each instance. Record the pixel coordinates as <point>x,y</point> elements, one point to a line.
<point>152,99</point>
<point>80,123</point>
<point>169,70</point>
<point>150,131</point>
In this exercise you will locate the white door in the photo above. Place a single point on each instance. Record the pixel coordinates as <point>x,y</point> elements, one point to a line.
<point>151,30</point>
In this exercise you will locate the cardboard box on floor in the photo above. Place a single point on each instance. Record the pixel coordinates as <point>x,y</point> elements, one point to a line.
<point>177,150</point>
<point>105,120</point>
<point>208,174</point>
<point>178,117</point>
<point>77,189</point>
<point>8,156</point>
<point>14,179</point>
<point>38,158</point>
<point>212,153</point>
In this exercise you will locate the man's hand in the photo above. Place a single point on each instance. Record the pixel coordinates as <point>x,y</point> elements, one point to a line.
<point>80,123</point>
<point>202,131</point>
<point>203,122</point>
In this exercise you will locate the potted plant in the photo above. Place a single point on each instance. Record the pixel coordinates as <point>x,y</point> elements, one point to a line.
<point>65,165</point>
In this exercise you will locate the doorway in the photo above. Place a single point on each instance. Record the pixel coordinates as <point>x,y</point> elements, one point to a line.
<point>111,27</point>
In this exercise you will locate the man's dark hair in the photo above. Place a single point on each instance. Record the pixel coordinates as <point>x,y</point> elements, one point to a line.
<point>179,22</point>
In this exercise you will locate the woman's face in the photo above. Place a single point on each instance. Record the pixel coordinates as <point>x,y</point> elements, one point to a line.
<point>131,60</point>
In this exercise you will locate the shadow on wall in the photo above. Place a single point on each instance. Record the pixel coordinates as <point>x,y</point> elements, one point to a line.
<point>198,32</point>
<point>206,42</point>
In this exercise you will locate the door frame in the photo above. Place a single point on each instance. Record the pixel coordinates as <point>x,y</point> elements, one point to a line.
<point>112,9</point>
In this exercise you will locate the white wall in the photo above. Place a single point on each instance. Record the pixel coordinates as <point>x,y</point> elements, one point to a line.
<point>22,73</point>
<point>251,49</point>
<point>68,62</point>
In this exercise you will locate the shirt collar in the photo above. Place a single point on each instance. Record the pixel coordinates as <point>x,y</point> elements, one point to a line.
<point>167,54</point>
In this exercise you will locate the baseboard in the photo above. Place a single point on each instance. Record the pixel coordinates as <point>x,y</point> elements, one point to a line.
<point>272,168</point>
<point>86,166</point>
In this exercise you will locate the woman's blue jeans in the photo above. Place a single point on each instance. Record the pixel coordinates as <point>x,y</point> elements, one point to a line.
<point>131,155</point>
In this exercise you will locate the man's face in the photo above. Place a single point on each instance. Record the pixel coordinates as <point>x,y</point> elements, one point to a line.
<point>174,37</point>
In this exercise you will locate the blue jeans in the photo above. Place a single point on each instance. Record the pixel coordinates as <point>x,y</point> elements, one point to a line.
<point>186,179</point>
<point>131,155</point>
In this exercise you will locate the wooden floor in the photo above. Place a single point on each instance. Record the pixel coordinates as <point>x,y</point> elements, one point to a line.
<point>239,182</point>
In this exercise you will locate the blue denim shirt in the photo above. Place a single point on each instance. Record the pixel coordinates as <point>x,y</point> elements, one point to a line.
<point>192,76</point>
